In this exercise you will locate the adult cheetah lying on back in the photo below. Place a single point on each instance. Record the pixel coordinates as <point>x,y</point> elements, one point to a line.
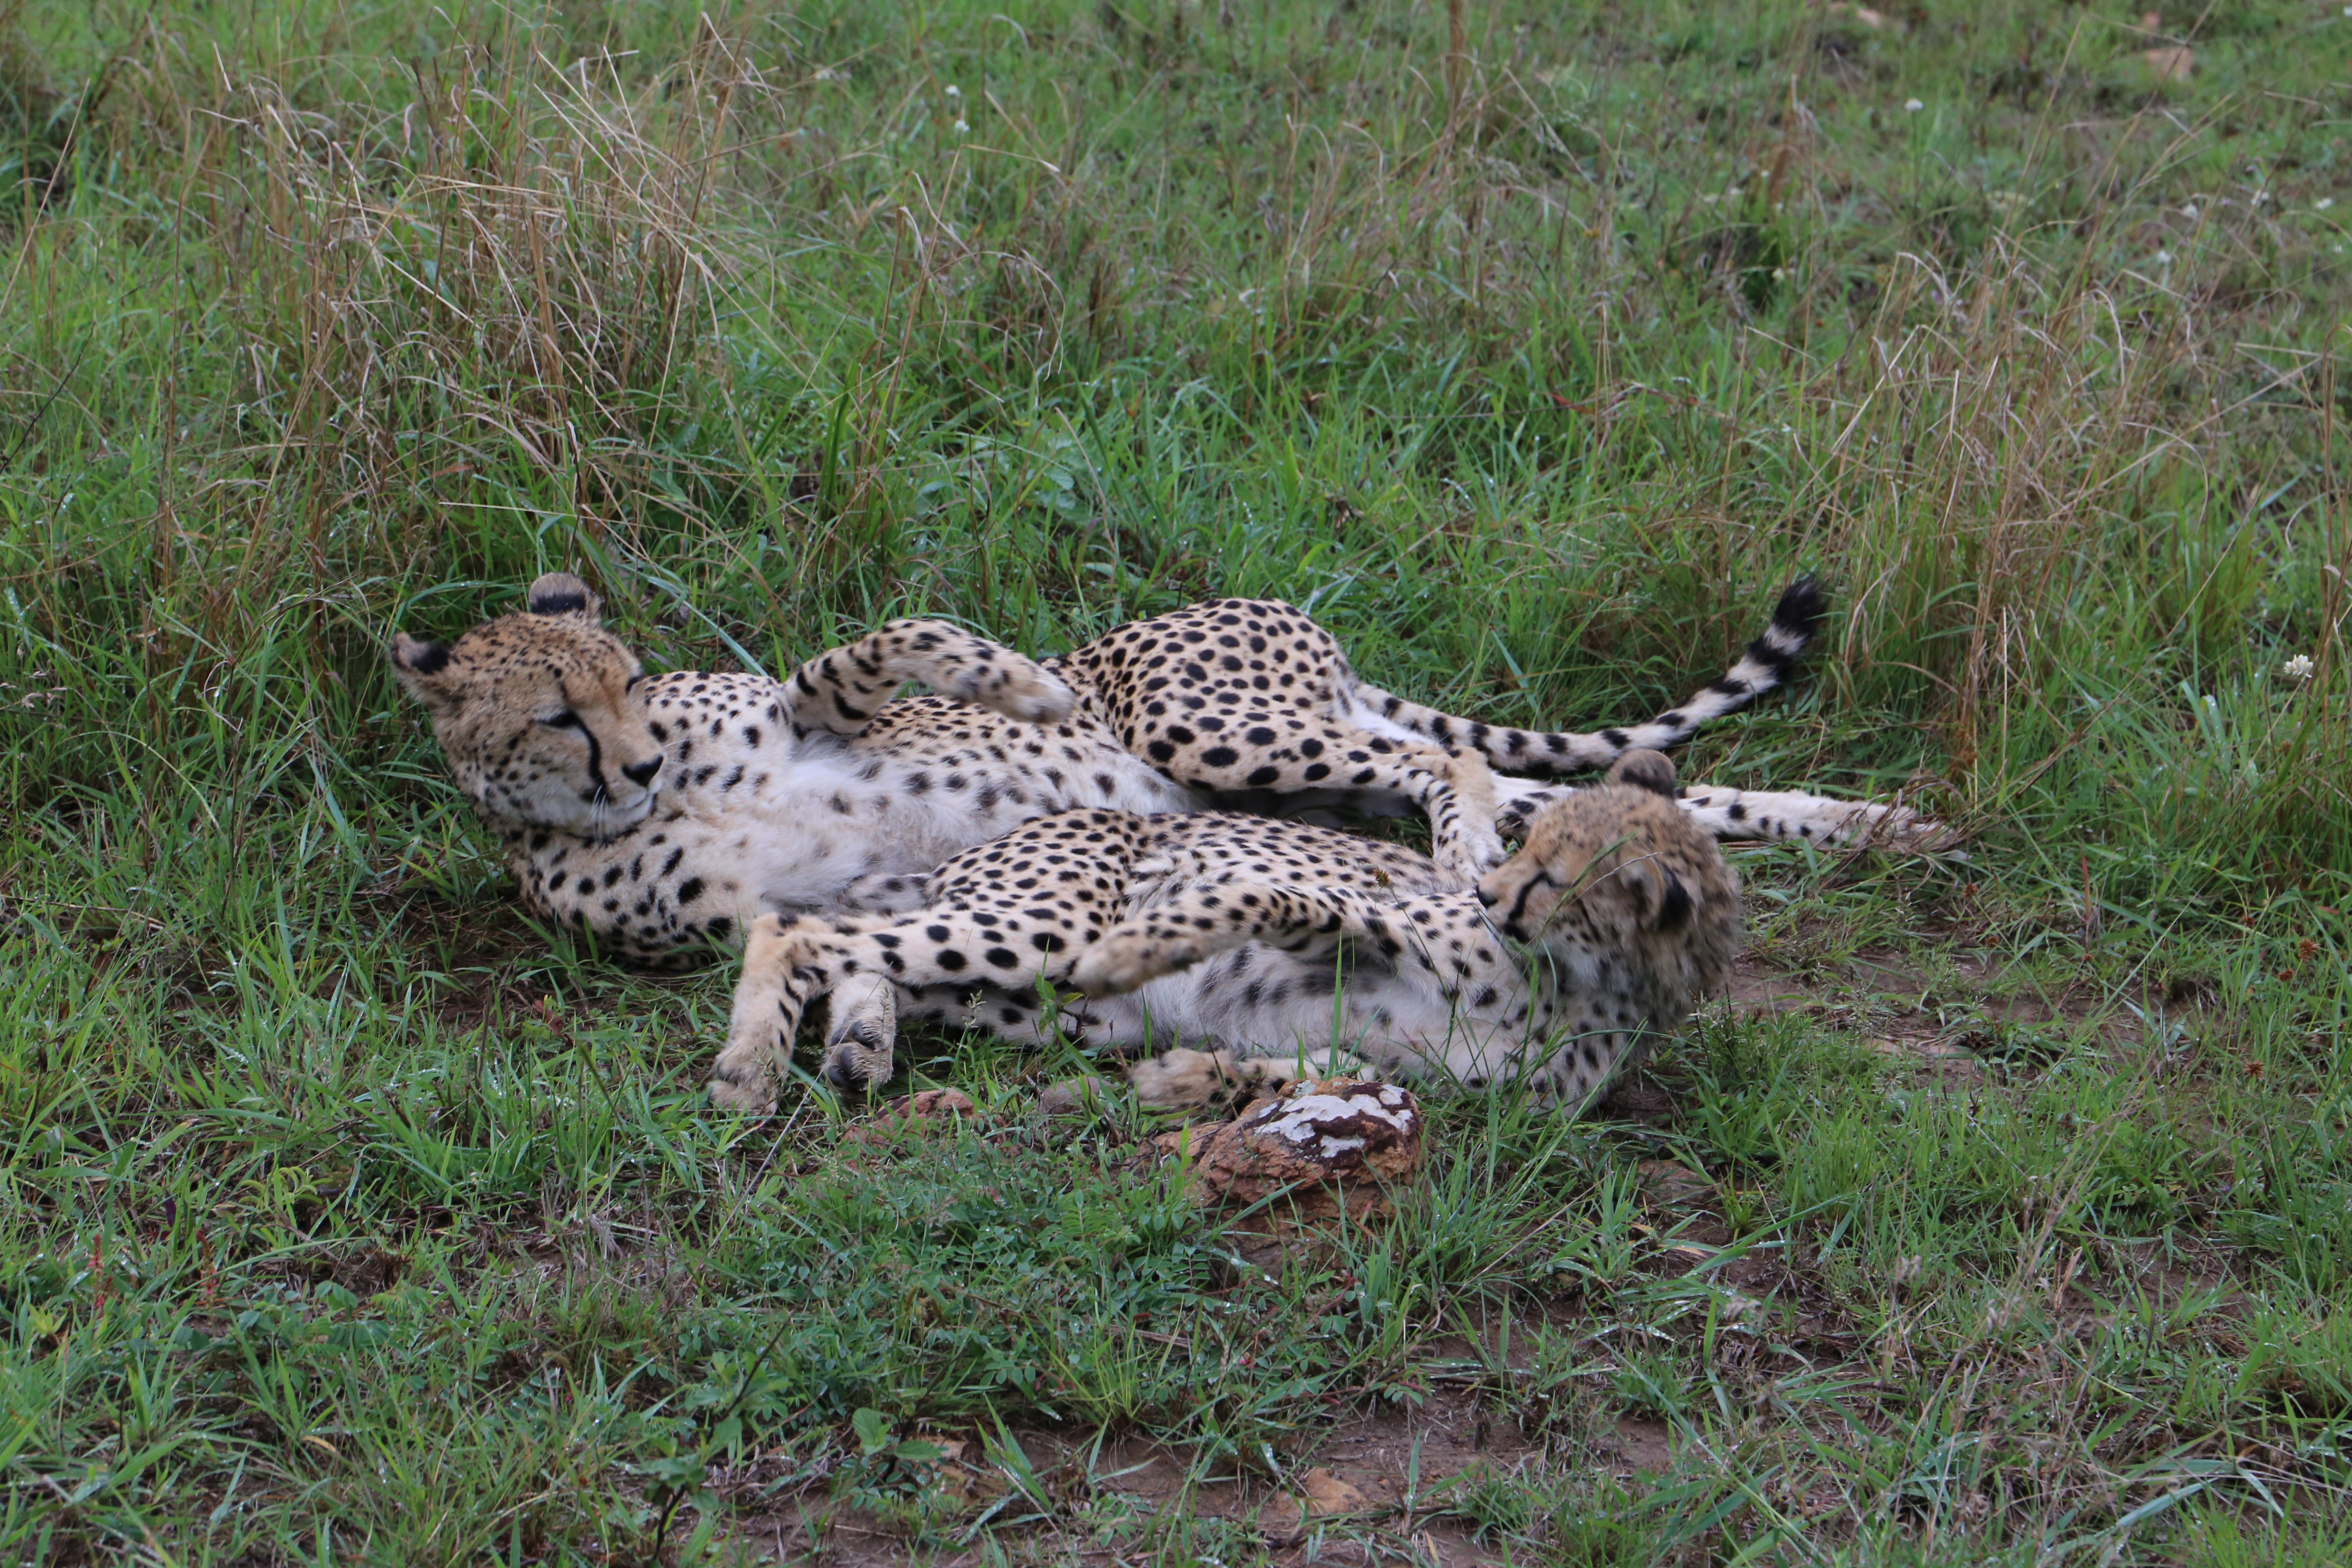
<point>661,813</point>
<point>1276,944</point>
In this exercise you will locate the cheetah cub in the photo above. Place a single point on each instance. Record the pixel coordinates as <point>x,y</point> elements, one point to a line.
<point>1283,950</point>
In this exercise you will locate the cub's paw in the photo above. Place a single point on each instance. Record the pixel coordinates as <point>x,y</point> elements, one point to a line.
<point>1182,1079</point>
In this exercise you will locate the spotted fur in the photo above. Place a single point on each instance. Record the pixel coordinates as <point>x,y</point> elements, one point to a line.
<point>1279,947</point>
<point>659,813</point>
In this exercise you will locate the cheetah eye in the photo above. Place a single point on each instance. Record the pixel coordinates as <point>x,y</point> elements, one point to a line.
<point>567,720</point>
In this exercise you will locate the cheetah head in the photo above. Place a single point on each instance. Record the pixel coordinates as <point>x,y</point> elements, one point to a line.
<point>1620,862</point>
<point>538,713</point>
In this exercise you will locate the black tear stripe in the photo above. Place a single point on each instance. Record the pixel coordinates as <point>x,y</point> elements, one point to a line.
<point>1519,904</point>
<point>595,755</point>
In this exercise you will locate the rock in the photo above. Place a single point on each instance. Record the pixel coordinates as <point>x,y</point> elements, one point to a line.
<point>933,1103</point>
<point>1319,1495</point>
<point>915,1113</point>
<point>1071,1096</point>
<point>1331,1136</point>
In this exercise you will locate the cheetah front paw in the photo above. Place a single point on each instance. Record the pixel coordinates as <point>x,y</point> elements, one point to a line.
<point>1182,1079</point>
<point>748,1090</point>
<point>858,1047</point>
<point>1018,688</point>
<point>1116,964</point>
<point>858,1058</point>
<point>1470,855</point>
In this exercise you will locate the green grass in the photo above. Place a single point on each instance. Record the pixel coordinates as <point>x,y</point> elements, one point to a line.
<point>345,1217</point>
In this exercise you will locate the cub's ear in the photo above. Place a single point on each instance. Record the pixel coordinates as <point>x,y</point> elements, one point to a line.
<point>1661,901</point>
<point>420,667</point>
<point>1645,769</point>
<point>561,594</point>
<point>1675,902</point>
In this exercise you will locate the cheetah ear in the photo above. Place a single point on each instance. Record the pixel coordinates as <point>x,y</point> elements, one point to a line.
<point>421,667</point>
<point>1645,769</point>
<point>1673,904</point>
<point>561,594</point>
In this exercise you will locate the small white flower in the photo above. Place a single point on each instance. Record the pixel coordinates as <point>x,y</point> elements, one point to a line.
<point>2188,211</point>
<point>2299,668</point>
<point>1913,106</point>
<point>2322,203</point>
<point>2261,197</point>
<point>1710,198</point>
<point>827,73</point>
<point>962,127</point>
<point>954,91</point>
<point>2164,259</point>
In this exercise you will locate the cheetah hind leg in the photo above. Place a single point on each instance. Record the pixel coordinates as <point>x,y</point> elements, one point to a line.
<point>769,997</point>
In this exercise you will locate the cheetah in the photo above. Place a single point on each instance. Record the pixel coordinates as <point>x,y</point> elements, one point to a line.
<point>1288,950</point>
<point>658,814</point>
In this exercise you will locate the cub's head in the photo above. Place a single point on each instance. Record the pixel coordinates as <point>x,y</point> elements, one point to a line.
<point>539,714</point>
<point>1620,865</point>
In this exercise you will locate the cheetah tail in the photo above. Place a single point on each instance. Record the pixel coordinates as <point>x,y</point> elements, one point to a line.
<point>1764,665</point>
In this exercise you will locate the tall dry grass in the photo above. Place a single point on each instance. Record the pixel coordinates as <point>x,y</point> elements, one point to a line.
<point>737,318</point>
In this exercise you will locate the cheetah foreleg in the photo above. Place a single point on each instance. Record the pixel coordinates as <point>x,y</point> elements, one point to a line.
<point>839,689</point>
<point>770,997</point>
<point>786,967</point>
<point>861,1033</point>
<point>1463,810</point>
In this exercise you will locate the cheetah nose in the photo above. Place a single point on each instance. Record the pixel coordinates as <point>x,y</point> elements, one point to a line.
<point>1488,899</point>
<point>642,773</point>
